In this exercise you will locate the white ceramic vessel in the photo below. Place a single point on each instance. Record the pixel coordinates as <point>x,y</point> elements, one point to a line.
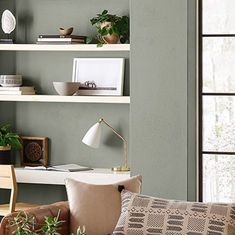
<point>66,88</point>
<point>10,80</point>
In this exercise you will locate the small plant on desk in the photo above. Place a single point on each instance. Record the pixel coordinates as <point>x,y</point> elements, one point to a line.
<point>8,140</point>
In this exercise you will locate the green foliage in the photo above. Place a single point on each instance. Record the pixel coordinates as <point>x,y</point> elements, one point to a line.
<point>9,138</point>
<point>81,231</point>
<point>51,225</point>
<point>89,40</point>
<point>120,25</point>
<point>25,225</point>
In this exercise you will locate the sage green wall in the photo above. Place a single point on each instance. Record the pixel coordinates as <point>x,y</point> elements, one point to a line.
<point>192,101</point>
<point>160,89</point>
<point>162,110</point>
<point>65,124</point>
<point>7,66</point>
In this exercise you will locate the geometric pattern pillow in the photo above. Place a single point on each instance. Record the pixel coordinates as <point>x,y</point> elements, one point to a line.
<point>144,215</point>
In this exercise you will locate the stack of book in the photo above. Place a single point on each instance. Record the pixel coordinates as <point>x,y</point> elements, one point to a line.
<point>58,39</point>
<point>6,41</point>
<point>23,90</point>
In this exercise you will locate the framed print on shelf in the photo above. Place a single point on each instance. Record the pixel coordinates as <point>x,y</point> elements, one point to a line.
<point>34,151</point>
<point>99,76</point>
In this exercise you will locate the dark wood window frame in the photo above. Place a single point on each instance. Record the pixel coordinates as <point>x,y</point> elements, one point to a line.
<point>201,94</point>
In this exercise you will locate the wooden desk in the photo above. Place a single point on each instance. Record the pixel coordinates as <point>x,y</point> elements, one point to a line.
<point>96,176</point>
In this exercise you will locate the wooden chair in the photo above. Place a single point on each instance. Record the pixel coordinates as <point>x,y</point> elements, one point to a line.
<point>8,181</point>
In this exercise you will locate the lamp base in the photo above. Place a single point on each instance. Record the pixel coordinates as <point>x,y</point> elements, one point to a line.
<point>120,169</point>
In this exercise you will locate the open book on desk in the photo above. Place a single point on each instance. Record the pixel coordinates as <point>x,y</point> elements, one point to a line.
<point>65,168</point>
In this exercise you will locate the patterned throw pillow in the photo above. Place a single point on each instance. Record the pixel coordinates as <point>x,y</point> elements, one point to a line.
<point>143,215</point>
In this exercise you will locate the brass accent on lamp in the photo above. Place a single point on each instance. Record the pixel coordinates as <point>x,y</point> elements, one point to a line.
<point>92,139</point>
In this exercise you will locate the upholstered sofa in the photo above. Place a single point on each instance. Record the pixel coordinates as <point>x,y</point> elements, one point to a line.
<point>95,206</point>
<point>118,211</point>
<point>40,213</point>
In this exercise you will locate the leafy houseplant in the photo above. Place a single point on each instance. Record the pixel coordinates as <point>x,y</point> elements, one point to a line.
<point>111,28</point>
<point>8,140</point>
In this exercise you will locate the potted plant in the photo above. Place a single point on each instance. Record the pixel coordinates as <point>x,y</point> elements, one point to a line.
<point>8,140</point>
<point>111,29</point>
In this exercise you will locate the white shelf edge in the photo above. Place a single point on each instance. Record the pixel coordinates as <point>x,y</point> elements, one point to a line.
<point>67,99</point>
<point>77,47</point>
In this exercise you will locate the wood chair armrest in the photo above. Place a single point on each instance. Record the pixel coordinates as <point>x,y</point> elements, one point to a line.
<point>39,213</point>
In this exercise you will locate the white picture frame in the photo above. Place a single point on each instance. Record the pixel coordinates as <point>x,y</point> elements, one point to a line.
<point>99,76</point>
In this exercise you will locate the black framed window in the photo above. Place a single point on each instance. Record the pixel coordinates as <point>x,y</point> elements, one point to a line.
<point>217,100</point>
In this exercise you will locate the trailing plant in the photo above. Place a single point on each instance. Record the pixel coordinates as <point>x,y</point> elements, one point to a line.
<point>9,138</point>
<point>119,25</point>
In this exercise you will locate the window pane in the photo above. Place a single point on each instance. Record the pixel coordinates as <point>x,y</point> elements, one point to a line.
<point>218,64</point>
<point>218,178</point>
<point>218,16</point>
<point>219,123</point>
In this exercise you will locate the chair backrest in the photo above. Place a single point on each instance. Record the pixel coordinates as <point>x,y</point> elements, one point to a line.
<point>8,181</point>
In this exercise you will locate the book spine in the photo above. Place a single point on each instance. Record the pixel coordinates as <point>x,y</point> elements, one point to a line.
<point>17,93</point>
<point>59,36</point>
<point>60,40</point>
<point>58,43</point>
<point>31,89</point>
<point>6,42</point>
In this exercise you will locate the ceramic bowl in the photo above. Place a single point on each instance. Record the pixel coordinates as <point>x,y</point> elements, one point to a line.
<point>10,80</point>
<point>65,32</point>
<point>66,88</point>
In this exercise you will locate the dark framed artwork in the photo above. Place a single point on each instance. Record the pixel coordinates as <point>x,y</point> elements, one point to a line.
<point>34,151</point>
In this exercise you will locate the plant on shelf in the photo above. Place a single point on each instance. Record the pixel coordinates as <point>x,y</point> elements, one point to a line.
<point>111,28</point>
<point>8,140</point>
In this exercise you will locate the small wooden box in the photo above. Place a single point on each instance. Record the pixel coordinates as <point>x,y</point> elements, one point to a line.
<point>34,151</point>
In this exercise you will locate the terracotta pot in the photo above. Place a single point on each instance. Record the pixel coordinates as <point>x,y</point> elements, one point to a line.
<point>5,155</point>
<point>109,39</point>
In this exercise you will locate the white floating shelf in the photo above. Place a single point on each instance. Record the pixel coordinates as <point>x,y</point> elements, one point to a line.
<point>67,99</point>
<point>77,47</point>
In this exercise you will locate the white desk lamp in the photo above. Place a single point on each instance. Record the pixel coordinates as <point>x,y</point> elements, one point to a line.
<point>92,139</point>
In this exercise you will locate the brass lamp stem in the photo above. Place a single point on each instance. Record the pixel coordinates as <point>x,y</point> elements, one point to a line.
<point>125,166</point>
